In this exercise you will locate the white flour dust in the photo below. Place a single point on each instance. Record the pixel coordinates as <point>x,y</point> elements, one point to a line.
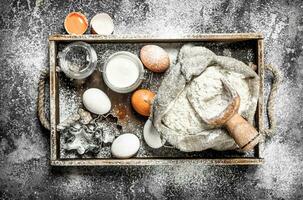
<point>24,51</point>
<point>75,184</point>
<point>26,150</point>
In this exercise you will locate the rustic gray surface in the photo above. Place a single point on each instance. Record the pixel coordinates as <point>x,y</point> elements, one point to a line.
<point>24,145</point>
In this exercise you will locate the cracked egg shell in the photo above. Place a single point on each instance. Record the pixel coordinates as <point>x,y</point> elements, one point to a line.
<point>75,23</point>
<point>102,24</point>
<point>151,135</point>
<point>96,101</point>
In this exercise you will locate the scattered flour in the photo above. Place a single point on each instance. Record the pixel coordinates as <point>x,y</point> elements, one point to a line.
<point>24,53</point>
<point>26,150</point>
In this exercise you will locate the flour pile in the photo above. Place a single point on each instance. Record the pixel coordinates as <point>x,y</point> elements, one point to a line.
<point>194,82</point>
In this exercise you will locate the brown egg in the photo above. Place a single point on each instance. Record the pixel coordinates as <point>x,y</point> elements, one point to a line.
<point>154,58</point>
<point>141,101</point>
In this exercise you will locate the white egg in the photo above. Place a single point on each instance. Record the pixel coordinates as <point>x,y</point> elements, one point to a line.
<point>125,146</point>
<point>151,135</point>
<point>96,101</point>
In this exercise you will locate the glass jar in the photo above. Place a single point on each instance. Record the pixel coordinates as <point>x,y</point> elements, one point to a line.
<point>78,60</point>
<point>123,72</point>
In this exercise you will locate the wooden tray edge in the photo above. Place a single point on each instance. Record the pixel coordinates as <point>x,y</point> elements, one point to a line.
<point>55,161</point>
<point>142,38</point>
<point>147,162</point>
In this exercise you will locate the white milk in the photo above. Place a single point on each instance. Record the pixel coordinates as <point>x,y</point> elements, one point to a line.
<point>121,71</point>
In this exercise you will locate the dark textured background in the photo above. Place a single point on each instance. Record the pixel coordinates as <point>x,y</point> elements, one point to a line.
<point>24,145</point>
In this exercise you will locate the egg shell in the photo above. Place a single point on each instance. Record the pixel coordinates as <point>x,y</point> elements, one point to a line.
<point>75,23</point>
<point>96,101</point>
<point>125,146</point>
<point>151,135</point>
<point>102,24</point>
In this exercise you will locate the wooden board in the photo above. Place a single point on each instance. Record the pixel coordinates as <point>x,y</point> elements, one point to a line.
<point>253,39</point>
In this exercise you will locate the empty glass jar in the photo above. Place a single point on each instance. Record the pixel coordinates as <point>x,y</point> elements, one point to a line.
<point>78,60</point>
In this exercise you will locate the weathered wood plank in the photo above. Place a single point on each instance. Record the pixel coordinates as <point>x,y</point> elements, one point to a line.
<point>260,111</point>
<point>165,161</point>
<point>54,100</point>
<point>144,38</point>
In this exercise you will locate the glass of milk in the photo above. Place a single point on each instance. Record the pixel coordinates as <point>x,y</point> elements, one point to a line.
<point>123,72</point>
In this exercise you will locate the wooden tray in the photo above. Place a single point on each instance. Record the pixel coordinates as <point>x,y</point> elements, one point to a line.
<point>244,46</point>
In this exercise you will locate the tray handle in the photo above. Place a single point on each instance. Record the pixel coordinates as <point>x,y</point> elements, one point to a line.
<point>277,80</point>
<point>41,97</point>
